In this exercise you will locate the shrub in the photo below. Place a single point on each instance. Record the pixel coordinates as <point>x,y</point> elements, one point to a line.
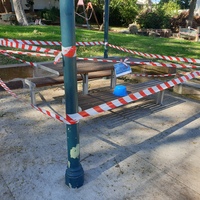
<point>170,8</point>
<point>52,14</point>
<point>180,20</point>
<point>155,20</point>
<point>126,11</point>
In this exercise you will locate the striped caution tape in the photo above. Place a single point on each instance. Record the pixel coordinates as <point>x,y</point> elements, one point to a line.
<point>56,116</point>
<point>55,43</point>
<point>50,43</point>
<point>28,47</point>
<point>89,43</point>
<point>152,75</point>
<point>27,53</point>
<point>74,118</point>
<point>98,60</point>
<point>8,89</point>
<point>170,58</point>
<point>132,97</point>
<point>173,65</point>
<point>68,52</point>
<point>71,52</point>
<point>157,64</point>
<point>20,60</point>
<point>35,42</point>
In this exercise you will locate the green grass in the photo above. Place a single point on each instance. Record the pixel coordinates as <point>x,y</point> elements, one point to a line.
<point>161,46</point>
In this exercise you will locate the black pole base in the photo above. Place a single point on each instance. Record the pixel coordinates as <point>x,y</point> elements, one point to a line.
<point>74,178</point>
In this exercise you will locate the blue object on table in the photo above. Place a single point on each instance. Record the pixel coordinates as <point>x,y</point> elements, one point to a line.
<point>122,69</point>
<point>120,90</point>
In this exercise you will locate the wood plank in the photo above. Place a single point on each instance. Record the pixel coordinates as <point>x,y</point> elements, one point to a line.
<point>56,80</point>
<point>96,97</point>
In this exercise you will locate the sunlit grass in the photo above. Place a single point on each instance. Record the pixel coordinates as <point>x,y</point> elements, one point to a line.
<point>153,45</point>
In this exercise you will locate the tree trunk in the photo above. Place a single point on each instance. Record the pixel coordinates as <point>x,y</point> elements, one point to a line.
<point>191,13</point>
<point>19,12</point>
<point>101,28</point>
<point>5,5</point>
<point>149,5</point>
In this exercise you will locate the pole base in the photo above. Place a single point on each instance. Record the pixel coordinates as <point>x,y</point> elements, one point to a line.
<point>74,178</point>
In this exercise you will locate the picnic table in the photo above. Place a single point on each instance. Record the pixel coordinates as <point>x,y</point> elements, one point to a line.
<point>85,70</point>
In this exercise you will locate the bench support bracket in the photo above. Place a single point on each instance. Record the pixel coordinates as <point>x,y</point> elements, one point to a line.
<point>32,90</point>
<point>85,83</point>
<point>160,97</point>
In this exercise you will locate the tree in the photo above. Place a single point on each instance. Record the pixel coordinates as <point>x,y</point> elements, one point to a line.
<point>19,12</point>
<point>30,4</point>
<point>128,10</point>
<point>6,6</point>
<point>191,13</point>
<point>121,11</point>
<point>184,4</point>
<point>171,8</point>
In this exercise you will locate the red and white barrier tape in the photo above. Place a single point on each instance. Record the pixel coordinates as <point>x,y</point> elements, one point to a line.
<point>46,112</point>
<point>72,52</point>
<point>33,42</point>
<point>50,43</point>
<point>35,64</point>
<point>98,60</point>
<point>67,52</point>
<point>5,87</point>
<point>74,118</point>
<point>132,97</point>
<point>28,47</point>
<point>174,65</point>
<point>37,42</point>
<point>27,53</point>
<point>170,58</point>
<point>20,60</point>
<point>152,75</point>
<point>33,48</point>
<point>89,43</point>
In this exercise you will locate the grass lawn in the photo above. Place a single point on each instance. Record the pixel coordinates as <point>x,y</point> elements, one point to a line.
<point>161,46</point>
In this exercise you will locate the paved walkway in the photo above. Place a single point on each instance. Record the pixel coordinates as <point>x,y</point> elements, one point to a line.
<point>139,151</point>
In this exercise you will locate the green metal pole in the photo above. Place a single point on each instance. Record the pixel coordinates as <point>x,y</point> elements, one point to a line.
<point>106,27</point>
<point>74,176</point>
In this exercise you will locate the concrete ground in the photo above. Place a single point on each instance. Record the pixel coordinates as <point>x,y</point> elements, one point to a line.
<point>141,151</point>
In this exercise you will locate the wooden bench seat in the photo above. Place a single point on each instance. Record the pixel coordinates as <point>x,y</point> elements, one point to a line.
<point>189,33</point>
<point>37,82</point>
<point>85,70</point>
<point>56,80</point>
<point>98,97</point>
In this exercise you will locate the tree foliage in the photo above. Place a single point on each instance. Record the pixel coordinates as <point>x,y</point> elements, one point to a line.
<point>154,20</point>
<point>160,17</point>
<point>170,8</point>
<point>184,4</point>
<point>121,12</point>
<point>128,10</point>
<point>29,4</point>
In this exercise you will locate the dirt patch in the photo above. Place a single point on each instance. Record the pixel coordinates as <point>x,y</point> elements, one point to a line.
<point>4,22</point>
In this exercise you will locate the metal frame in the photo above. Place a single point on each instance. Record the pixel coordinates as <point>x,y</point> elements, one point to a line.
<point>160,97</point>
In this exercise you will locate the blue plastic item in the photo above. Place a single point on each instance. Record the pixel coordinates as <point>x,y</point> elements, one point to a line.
<point>120,90</point>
